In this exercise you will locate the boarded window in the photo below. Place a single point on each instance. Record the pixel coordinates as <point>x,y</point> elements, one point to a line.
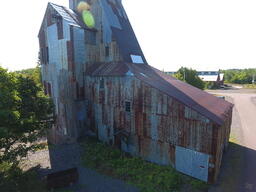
<point>162,104</point>
<point>128,106</point>
<point>90,37</point>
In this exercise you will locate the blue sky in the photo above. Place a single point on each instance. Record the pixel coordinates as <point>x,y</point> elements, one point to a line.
<point>201,34</point>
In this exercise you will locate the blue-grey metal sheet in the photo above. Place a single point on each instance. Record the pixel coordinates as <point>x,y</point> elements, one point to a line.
<point>112,18</point>
<point>192,163</point>
<point>67,14</point>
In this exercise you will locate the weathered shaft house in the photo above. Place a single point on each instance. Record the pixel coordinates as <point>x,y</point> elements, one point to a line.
<point>101,84</point>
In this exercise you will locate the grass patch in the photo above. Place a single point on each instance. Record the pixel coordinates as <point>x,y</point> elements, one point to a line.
<point>198,185</point>
<point>146,176</point>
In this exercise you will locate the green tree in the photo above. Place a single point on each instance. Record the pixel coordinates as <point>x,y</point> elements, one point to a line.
<point>33,73</point>
<point>190,76</point>
<point>239,76</point>
<point>25,115</point>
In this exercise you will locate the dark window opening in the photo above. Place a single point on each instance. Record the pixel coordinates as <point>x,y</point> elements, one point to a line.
<point>107,51</point>
<point>108,130</point>
<point>60,28</point>
<point>102,84</point>
<point>82,95</point>
<point>128,106</point>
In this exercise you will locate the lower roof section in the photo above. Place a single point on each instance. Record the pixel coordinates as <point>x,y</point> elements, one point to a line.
<point>206,104</point>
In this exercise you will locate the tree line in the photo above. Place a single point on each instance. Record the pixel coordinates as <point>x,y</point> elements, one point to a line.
<point>239,76</point>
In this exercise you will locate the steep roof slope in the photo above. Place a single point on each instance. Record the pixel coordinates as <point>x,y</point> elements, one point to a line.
<point>204,103</point>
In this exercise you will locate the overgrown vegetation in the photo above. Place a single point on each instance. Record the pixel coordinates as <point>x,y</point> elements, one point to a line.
<point>147,176</point>
<point>239,76</point>
<point>190,76</point>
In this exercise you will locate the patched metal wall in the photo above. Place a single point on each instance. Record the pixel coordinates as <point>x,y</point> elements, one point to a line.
<point>62,40</point>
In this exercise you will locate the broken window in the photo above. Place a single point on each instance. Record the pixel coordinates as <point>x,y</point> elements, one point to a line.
<point>128,106</point>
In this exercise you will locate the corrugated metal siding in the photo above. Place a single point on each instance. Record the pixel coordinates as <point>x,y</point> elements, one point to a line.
<point>163,123</point>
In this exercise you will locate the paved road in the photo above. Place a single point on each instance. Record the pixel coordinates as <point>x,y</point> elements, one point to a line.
<point>244,129</point>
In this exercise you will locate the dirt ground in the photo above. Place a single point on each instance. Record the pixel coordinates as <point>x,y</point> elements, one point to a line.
<point>238,172</point>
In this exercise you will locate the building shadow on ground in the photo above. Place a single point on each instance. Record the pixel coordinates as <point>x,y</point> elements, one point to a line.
<point>238,170</point>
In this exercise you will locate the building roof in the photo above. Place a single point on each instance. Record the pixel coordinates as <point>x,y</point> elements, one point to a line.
<point>213,108</point>
<point>68,15</point>
<point>212,78</point>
